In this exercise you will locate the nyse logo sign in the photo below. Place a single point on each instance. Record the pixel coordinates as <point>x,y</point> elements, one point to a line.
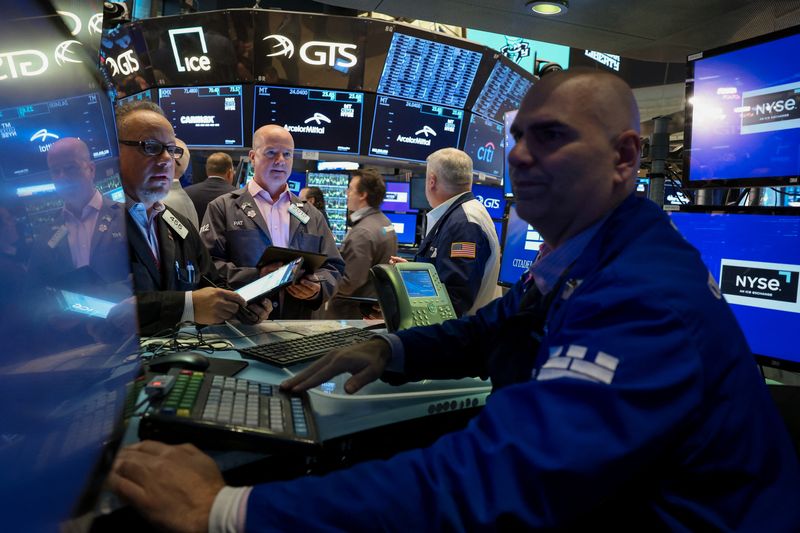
<point>190,63</point>
<point>486,152</point>
<point>756,284</point>
<point>124,64</point>
<point>315,52</point>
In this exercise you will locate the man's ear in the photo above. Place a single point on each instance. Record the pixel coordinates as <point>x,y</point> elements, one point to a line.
<point>628,149</point>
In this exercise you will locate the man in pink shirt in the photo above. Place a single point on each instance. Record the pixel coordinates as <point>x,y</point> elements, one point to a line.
<point>238,226</point>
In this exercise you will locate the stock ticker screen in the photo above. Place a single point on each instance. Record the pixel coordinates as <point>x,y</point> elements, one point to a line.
<point>503,92</point>
<point>484,144</point>
<point>404,129</point>
<point>319,119</point>
<point>27,132</point>
<point>205,116</point>
<point>425,70</point>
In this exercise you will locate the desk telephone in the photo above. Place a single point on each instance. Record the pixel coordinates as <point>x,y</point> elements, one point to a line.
<point>411,294</point>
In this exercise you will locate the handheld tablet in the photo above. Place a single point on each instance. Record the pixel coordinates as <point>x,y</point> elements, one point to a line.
<point>273,281</point>
<point>84,304</point>
<point>275,254</point>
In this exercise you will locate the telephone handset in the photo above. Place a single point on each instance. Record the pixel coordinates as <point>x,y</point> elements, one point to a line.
<point>411,294</point>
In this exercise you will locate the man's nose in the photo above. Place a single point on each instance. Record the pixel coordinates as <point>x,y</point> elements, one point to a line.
<point>520,155</point>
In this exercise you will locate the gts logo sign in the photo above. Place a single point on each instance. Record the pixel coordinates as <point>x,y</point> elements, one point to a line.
<point>778,106</point>
<point>488,203</point>
<point>756,284</point>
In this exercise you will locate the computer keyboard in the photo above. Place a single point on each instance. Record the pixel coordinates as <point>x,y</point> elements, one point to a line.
<point>219,412</point>
<point>285,353</point>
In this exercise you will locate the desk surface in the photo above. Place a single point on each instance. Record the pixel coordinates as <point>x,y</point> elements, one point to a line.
<point>337,413</point>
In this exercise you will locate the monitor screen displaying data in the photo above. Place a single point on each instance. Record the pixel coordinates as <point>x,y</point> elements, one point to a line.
<point>205,116</point>
<point>428,71</point>
<point>508,120</point>
<point>755,259</point>
<point>334,190</point>
<point>743,114</point>
<point>418,283</point>
<point>27,132</point>
<point>319,120</point>
<point>485,145</point>
<point>404,129</point>
<point>503,92</point>
<point>398,196</point>
<point>521,245</point>
<point>405,225</point>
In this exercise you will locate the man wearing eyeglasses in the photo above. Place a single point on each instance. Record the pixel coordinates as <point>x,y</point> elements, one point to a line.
<point>238,226</point>
<point>171,268</point>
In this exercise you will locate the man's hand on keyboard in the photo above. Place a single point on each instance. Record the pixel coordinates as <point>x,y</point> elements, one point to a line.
<point>172,486</point>
<point>365,360</point>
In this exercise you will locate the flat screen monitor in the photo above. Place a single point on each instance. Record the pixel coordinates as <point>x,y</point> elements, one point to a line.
<point>334,190</point>
<point>324,166</point>
<point>319,120</point>
<point>27,132</point>
<point>209,116</point>
<point>520,247</point>
<point>405,225</point>
<point>503,91</point>
<point>418,198</point>
<point>485,145</point>
<point>398,197</point>
<point>508,119</point>
<point>498,228</point>
<point>405,129</point>
<point>754,255</point>
<point>743,114</point>
<point>146,96</point>
<point>491,198</point>
<point>418,283</point>
<point>428,71</point>
<point>296,181</point>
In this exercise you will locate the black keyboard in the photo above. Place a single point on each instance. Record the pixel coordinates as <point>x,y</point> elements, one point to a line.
<point>285,353</point>
<point>219,412</point>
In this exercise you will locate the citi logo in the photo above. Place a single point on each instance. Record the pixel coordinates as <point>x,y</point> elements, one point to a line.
<point>318,118</point>
<point>488,203</point>
<point>190,63</point>
<point>124,64</point>
<point>778,106</point>
<point>757,284</point>
<point>426,130</point>
<point>42,135</point>
<point>486,152</point>
<point>315,52</point>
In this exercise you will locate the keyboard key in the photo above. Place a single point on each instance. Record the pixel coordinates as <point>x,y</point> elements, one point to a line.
<point>293,351</point>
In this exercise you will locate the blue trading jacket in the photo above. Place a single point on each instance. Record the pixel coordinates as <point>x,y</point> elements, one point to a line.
<point>644,409</point>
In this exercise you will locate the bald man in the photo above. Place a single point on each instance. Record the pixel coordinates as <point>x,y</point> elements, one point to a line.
<point>177,198</point>
<point>625,397</point>
<point>238,226</point>
<point>89,232</point>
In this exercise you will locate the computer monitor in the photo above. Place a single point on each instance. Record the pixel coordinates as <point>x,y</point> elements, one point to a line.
<point>327,166</point>
<point>405,129</point>
<point>405,225</point>
<point>498,228</point>
<point>147,96</point>
<point>334,190</point>
<point>205,117</point>
<point>418,198</point>
<point>520,247</point>
<point>503,91</point>
<point>508,120</point>
<point>491,198</point>
<point>398,197</point>
<point>485,145</point>
<point>429,71</point>
<point>319,120</point>
<point>743,114</point>
<point>754,255</point>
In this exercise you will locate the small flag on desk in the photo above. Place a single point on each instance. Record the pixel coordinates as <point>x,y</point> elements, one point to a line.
<point>463,249</point>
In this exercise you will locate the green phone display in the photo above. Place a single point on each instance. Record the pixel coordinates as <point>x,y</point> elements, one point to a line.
<point>411,294</point>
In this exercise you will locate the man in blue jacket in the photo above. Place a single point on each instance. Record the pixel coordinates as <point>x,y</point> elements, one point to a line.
<point>625,393</point>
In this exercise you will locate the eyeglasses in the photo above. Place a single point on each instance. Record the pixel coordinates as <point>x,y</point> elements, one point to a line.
<point>154,148</point>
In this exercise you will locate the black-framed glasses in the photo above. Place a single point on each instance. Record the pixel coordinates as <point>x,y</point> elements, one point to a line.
<point>155,148</point>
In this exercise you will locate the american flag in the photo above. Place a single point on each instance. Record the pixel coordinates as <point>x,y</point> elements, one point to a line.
<point>463,249</point>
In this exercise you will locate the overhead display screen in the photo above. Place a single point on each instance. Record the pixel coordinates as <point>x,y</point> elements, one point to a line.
<point>27,132</point>
<point>205,116</point>
<point>503,92</point>
<point>403,129</point>
<point>318,119</point>
<point>398,195</point>
<point>484,144</point>
<point>429,71</point>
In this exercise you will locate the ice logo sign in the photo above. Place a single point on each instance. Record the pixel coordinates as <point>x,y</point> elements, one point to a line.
<point>486,152</point>
<point>315,52</point>
<point>757,284</point>
<point>190,63</point>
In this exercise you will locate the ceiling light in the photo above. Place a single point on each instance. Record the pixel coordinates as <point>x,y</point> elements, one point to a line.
<point>550,7</point>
